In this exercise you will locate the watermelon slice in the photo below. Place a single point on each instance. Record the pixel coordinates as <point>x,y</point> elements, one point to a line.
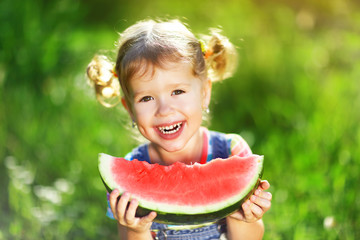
<point>184,194</point>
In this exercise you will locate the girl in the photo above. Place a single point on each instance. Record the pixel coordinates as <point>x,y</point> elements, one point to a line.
<point>165,75</point>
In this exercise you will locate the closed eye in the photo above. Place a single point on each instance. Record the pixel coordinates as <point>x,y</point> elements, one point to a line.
<point>146,99</point>
<point>177,92</point>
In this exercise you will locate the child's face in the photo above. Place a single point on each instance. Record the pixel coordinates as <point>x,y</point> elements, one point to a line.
<point>167,106</point>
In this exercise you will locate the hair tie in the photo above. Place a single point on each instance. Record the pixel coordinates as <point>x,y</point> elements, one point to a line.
<point>206,52</point>
<point>202,46</point>
<point>114,72</point>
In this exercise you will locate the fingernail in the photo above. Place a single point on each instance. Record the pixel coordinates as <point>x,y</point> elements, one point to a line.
<point>253,197</point>
<point>257,192</point>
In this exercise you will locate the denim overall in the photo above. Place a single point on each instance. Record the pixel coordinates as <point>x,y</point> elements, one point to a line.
<point>207,231</point>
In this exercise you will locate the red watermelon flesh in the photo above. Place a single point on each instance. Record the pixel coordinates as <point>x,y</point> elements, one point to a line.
<point>179,189</point>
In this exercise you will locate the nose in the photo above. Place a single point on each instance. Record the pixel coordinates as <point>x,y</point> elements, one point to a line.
<point>164,107</point>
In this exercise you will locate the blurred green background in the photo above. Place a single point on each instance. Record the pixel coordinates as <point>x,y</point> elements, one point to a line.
<point>295,98</point>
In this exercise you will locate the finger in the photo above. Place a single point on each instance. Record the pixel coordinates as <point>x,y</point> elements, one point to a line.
<point>256,210</point>
<point>122,206</point>
<point>238,215</point>
<point>113,201</point>
<point>263,203</point>
<point>248,215</point>
<point>130,213</point>
<point>262,194</point>
<point>264,185</point>
<point>149,218</point>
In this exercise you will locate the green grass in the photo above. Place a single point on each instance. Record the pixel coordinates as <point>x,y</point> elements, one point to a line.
<point>295,98</point>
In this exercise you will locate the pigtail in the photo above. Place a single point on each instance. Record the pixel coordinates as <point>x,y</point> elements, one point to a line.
<point>220,56</point>
<point>102,77</point>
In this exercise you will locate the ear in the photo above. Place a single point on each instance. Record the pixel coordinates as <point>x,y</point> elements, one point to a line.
<point>127,107</point>
<point>206,93</point>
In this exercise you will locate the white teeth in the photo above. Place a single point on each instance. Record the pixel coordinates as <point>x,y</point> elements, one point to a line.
<point>170,129</point>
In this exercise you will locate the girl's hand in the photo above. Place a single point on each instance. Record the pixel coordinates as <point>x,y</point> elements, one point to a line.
<point>124,212</point>
<point>254,208</point>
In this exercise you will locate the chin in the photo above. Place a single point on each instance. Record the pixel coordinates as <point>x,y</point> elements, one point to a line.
<point>171,147</point>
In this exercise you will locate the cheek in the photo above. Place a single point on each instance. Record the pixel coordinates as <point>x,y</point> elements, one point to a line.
<point>192,106</point>
<point>142,112</point>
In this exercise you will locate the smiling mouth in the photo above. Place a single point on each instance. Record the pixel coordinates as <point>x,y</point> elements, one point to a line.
<point>170,129</point>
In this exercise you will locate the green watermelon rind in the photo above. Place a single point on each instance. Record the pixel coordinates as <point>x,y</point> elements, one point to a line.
<point>173,218</point>
<point>179,214</point>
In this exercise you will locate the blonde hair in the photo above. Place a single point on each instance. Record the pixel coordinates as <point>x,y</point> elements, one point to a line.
<point>149,44</point>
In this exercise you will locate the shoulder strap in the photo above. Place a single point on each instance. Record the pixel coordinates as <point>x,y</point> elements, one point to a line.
<point>219,143</point>
<point>141,153</point>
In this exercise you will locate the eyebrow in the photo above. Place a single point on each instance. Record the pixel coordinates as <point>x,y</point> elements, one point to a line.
<point>141,93</point>
<point>171,86</point>
<point>176,85</point>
